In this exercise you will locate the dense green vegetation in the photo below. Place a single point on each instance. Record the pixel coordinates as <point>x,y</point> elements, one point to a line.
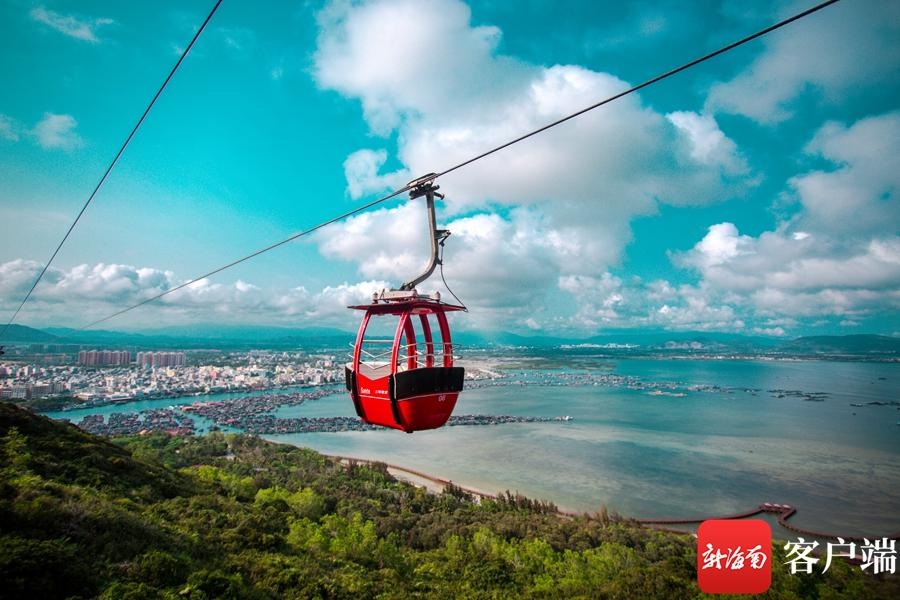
<point>237,517</point>
<point>49,403</point>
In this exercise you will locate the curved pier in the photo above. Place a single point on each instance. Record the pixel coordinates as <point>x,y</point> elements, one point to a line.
<point>784,512</point>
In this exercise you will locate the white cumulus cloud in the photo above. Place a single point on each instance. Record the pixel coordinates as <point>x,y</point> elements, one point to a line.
<point>695,310</point>
<point>708,144</point>
<point>845,48</point>
<point>362,168</point>
<point>776,261</point>
<point>71,26</point>
<point>422,71</point>
<point>839,255</point>
<point>859,196</point>
<point>83,293</point>
<point>57,132</point>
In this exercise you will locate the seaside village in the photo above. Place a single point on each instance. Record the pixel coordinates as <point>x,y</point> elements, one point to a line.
<point>117,377</point>
<point>105,376</point>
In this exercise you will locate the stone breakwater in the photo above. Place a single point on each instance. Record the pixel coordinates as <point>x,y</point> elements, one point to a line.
<point>170,421</point>
<point>254,414</point>
<point>268,424</point>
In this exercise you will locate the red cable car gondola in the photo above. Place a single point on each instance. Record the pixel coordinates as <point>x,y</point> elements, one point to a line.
<point>408,382</point>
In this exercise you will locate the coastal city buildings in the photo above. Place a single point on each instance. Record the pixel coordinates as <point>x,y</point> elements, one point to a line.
<point>97,378</point>
<point>96,358</point>
<point>159,359</point>
<point>106,358</point>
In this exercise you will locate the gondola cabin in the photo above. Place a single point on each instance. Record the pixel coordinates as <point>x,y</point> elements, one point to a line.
<point>408,382</point>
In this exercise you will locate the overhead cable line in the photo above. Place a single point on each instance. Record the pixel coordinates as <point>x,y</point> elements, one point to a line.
<point>434,176</point>
<point>253,255</point>
<point>112,164</point>
<point>649,82</point>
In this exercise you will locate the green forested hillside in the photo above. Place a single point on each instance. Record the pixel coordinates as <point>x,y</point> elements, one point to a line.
<point>237,517</point>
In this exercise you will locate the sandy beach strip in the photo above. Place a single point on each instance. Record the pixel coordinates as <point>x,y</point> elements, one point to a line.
<point>432,483</point>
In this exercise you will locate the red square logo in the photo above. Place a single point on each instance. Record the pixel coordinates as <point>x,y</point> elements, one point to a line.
<point>734,556</point>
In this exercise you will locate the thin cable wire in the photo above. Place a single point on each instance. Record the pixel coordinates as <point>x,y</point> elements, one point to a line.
<point>111,165</point>
<point>249,256</point>
<point>435,176</point>
<point>665,75</point>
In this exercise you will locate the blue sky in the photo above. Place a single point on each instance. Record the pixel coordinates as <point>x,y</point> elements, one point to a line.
<point>754,194</point>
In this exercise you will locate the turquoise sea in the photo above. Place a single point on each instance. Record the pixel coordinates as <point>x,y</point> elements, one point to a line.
<point>712,451</point>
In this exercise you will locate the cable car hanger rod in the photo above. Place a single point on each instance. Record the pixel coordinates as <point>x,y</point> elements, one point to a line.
<point>424,186</point>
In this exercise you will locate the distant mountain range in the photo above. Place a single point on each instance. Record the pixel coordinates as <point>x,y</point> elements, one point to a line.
<point>192,336</point>
<point>844,344</point>
<point>705,342</point>
<point>228,337</point>
<point>627,339</point>
<point>21,333</point>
